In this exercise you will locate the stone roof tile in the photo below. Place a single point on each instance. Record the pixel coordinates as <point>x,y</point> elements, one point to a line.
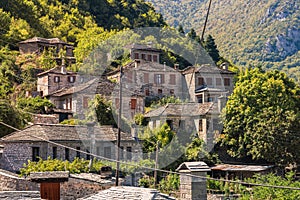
<point>185,109</point>
<point>59,132</point>
<point>128,193</point>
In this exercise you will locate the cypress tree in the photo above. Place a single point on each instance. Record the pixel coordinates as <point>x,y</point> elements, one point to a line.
<point>211,48</point>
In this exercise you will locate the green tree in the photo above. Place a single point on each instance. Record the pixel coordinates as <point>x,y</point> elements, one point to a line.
<point>8,72</point>
<point>192,34</point>
<point>258,192</point>
<point>102,108</point>
<point>261,118</point>
<point>211,48</point>
<point>34,104</point>
<point>10,116</point>
<point>160,137</point>
<point>180,29</point>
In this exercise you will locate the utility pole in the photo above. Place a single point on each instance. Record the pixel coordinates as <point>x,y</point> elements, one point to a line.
<point>206,19</point>
<point>119,128</point>
<point>156,163</point>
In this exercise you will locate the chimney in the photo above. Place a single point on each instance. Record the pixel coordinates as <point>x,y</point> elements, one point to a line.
<point>221,102</point>
<point>225,65</point>
<point>191,187</point>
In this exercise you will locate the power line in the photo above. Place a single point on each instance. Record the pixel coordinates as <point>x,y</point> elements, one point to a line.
<point>150,168</point>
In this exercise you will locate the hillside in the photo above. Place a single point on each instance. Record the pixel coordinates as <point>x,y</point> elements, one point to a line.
<point>252,32</point>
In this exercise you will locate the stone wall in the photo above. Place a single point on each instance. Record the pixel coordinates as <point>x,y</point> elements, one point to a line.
<point>12,182</point>
<point>81,185</point>
<point>78,186</point>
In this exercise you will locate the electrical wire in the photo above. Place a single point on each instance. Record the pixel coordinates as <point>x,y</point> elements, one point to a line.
<point>150,168</point>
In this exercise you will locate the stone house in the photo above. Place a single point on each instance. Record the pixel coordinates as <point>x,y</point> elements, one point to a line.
<point>151,79</point>
<point>144,52</point>
<point>32,142</point>
<point>206,83</point>
<point>55,79</point>
<point>37,45</point>
<point>201,119</point>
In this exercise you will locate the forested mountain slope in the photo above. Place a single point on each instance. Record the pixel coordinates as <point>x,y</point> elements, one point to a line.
<point>21,19</point>
<point>265,32</point>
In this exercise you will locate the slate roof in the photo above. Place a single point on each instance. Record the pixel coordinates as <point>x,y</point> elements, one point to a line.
<point>105,87</point>
<point>74,89</point>
<point>142,47</point>
<point>59,132</point>
<point>128,193</point>
<point>143,65</point>
<point>186,109</point>
<point>193,167</point>
<point>57,176</point>
<point>209,89</point>
<point>234,168</point>
<point>206,69</point>
<point>44,40</point>
<point>56,70</point>
<point>20,195</point>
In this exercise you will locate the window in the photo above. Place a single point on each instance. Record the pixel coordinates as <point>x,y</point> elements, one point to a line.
<point>147,93</point>
<point>209,81</point>
<point>171,91</point>
<point>133,103</point>
<point>170,123</point>
<point>201,125</point>
<point>200,81</point>
<point>128,154</point>
<point>149,57</point>
<point>88,156</point>
<point>143,56</point>
<point>200,100</point>
<point>67,154</point>
<point>218,81</point>
<point>159,91</point>
<point>172,79</point>
<point>54,152</point>
<point>107,152</point>
<point>71,79</point>
<point>146,78</point>
<point>35,154</point>
<point>56,79</point>
<point>154,58</point>
<point>81,79</point>
<point>77,152</point>
<point>136,55</point>
<point>159,79</point>
<point>85,102</point>
<point>227,81</point>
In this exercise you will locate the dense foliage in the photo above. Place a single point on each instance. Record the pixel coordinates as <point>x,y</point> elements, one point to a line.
<point>261,118</point>
<point>36,105</point>
<point>259,192</point>
<point>10,116</point>
<point>82,165</point>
